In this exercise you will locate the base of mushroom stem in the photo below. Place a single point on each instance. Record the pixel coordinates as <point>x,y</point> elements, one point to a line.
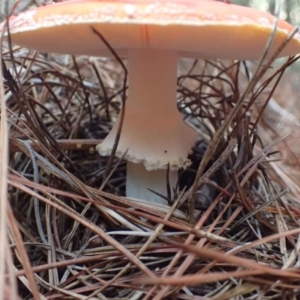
<point>139,181</point>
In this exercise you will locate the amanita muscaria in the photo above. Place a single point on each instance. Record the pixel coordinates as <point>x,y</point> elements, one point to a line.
<point>152,35</point>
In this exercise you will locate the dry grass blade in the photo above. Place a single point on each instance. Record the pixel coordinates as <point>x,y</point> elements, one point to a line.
<point>5,253</point>
<point>205,253</point>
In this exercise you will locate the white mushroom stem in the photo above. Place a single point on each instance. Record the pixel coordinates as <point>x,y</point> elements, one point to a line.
<point>140,182</point>
<point>153,130</point>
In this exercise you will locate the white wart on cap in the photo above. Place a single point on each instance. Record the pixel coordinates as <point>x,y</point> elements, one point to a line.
<point>152,35</point>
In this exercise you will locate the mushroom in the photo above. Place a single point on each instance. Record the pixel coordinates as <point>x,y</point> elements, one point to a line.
<point>152,35</point>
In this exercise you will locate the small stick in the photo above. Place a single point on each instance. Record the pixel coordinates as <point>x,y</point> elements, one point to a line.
<point>64,144</point>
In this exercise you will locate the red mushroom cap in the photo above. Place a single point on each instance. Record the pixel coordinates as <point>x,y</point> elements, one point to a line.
<point>206,29</point>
